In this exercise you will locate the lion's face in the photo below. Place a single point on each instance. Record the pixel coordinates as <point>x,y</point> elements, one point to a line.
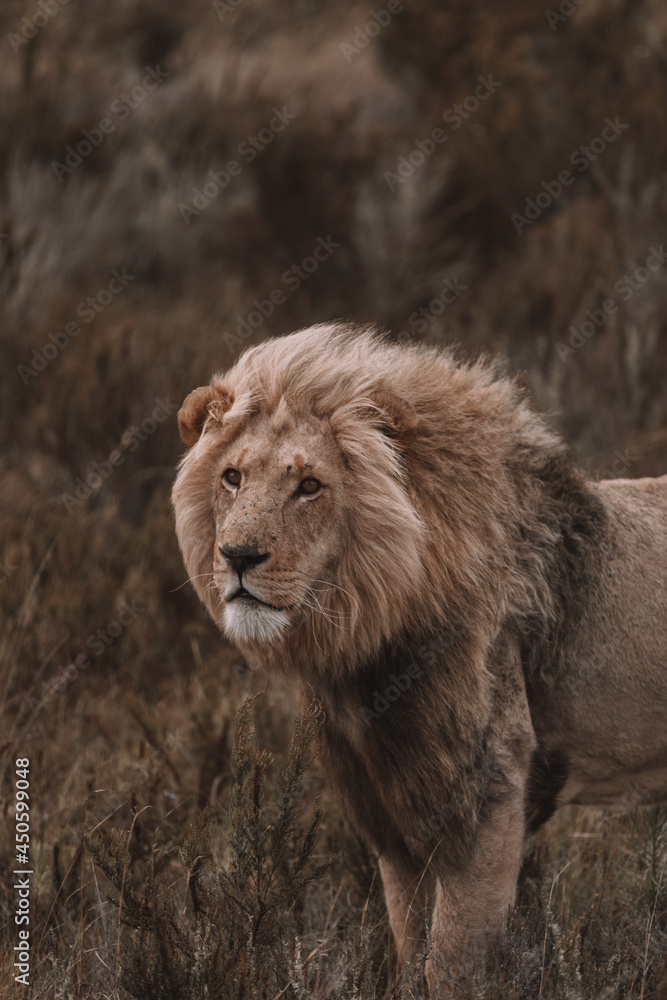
<point>293,509</point>
<point>279,510</point>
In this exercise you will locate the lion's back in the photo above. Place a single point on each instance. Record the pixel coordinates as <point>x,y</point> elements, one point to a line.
<point>613,707</point>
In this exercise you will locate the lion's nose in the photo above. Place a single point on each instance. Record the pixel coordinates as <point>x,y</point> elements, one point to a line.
<point>242,557</point>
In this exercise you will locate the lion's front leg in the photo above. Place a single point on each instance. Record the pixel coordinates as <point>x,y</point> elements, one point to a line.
<point>471,906</point>
<point>406,892</point>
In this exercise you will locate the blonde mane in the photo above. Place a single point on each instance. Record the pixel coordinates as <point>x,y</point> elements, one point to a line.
<point>438,524</point>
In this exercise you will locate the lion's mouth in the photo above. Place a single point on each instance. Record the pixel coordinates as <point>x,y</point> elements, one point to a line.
<point>247,597</point>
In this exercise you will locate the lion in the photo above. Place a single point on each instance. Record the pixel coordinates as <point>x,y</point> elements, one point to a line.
<point>485,627</point>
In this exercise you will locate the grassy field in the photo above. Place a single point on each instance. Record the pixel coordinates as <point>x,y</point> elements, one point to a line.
<point>489,175</point>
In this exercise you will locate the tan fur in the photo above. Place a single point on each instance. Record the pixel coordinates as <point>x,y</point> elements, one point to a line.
<point>451,595</point>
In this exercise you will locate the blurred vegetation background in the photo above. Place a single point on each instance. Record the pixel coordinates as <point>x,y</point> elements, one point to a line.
<point>128,274</point>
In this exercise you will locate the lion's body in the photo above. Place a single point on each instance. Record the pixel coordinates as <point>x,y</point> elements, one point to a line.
<point>613,725</point>
<point>486,629</point>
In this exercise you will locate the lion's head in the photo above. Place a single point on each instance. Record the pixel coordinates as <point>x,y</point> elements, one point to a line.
<point>337,491</point>
<point>290,507</point>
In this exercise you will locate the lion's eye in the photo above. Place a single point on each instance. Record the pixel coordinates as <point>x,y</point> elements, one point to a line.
<point>310,486</point>
<point>232,476</point>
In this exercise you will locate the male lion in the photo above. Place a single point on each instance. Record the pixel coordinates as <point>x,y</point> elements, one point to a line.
<point>486,629</point>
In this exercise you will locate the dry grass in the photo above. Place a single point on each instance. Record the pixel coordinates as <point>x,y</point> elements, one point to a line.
<point>141,739</point>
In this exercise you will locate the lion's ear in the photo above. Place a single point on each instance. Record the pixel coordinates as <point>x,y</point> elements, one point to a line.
<point>196,408</point>
<point>397,418</point>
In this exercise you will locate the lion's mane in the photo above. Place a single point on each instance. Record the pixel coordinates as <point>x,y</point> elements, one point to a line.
<point>483,517</point>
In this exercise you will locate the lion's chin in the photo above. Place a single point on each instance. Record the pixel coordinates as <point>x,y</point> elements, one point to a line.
<point>250,621</point>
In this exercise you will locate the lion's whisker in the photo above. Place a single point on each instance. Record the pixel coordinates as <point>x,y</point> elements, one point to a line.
<point>312,625</point>
<point>318,608</point>
<point>319,611</point>
<point>189,580</point>
<point>330,611</point>
<point>329,583</point>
